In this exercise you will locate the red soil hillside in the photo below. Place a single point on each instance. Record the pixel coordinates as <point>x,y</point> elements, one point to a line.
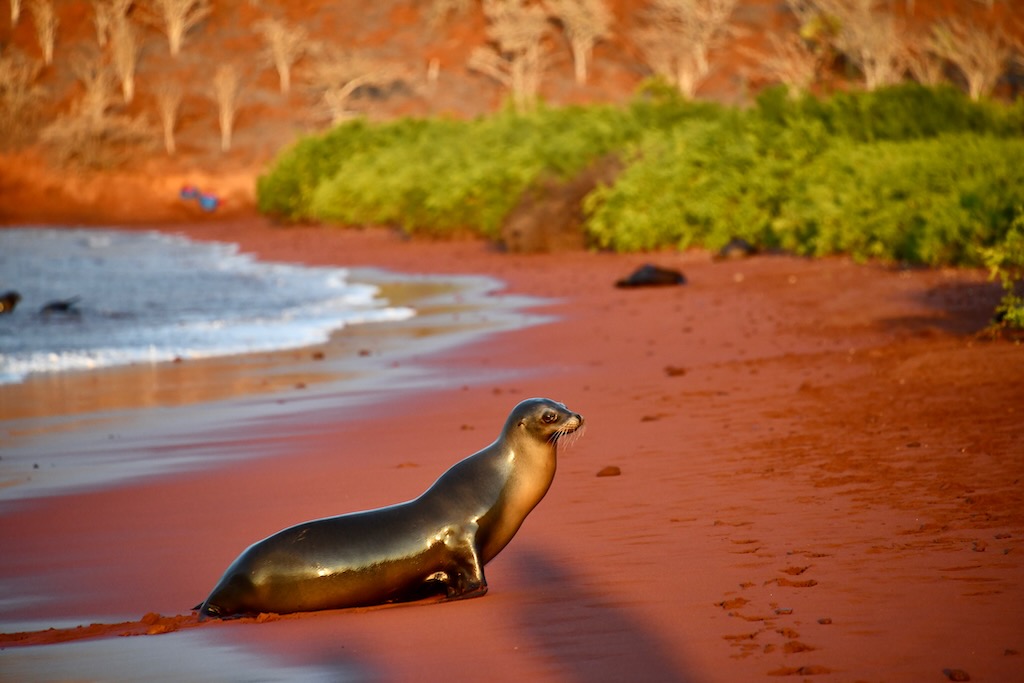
<point>393,32</point>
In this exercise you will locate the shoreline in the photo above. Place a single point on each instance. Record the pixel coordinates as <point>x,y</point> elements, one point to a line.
<point>360,362</point>
<point>817,478</point>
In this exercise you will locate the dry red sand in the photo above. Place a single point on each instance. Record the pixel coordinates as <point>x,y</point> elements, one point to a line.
<point>820,477</point>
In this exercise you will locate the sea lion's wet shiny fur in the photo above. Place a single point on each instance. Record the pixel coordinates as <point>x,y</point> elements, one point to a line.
<point>441,539</point>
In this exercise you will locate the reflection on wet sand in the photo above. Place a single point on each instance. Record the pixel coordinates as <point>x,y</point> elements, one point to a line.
<point>77,428</point>
<point>176,657</point>
<point>185,382</point>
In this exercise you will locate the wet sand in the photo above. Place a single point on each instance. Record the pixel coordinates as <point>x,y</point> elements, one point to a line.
<point>820,477</point>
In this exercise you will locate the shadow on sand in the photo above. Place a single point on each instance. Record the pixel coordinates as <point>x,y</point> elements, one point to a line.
<point>961,308</point>
<point>585,634</point>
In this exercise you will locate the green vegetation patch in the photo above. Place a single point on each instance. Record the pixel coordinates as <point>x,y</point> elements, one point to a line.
<point>874,175</point>
<point>703,183</point>
<point>441,176</point>
<point>903,112</point>
<point>934,202</point>
<point>1005,262</point>
<point>912,174</point>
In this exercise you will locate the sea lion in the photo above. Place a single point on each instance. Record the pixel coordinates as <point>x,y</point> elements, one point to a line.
<point>61,307</point>
<point>737,248</point>
<point>8,301</point>
<point>438,542</point>
<point>650,275</point>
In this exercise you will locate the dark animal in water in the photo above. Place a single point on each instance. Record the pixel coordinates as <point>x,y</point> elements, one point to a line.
<point>61,307</point>
<point>8,301</point>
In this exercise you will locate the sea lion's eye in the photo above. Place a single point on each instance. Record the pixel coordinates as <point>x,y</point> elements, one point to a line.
<point>550,417</point>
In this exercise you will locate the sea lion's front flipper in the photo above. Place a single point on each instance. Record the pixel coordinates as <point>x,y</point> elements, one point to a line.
<point>467,579</point>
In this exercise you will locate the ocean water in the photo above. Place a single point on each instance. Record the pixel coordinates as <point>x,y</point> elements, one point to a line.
<point>147,297</point>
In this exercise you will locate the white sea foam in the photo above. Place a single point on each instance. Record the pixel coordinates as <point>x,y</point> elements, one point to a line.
<point>146,297</point>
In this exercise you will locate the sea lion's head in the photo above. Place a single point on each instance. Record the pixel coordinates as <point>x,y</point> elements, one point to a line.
<point>543,419</point>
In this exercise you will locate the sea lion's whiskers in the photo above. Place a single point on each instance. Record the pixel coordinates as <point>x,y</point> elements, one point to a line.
<point>571,431</point>
<point>574,436</point>
<point>557,435</point>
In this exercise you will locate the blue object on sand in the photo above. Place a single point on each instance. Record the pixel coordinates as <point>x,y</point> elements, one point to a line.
<point>208,202</point>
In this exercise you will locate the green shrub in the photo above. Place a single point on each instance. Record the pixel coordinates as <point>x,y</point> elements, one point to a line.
<point>936,201</point>
<point>287,190</point>
<point>442,175</point>
<point>455,176</point>
<point>933,202</point>
<point>1005,262</point>
<point>703,183</point>
<point>658,105</point>
<point>910,173</point>
<point>902,112</point>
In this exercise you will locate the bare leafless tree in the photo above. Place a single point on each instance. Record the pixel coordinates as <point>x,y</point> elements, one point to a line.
<point>168,101</point>
<point>812,25</point>
<point>46,23</point>
<point>792,60</point>
<point>104,13</point>
<point>20,97</point>
<point>337,76</point>
<point>980,53</point>
<point>925,66</point>
<point>433,74</point>
<point>92,134</point>
<point>515,54</point>
<point>97,84</point>
<point>227,82</point>
<point>285,45</point>
<point>679,36</point>
<point>176,18</point>
<point>818,31</point>
<point>101,17</point>
<point>870,38</point>
<point>125,54</point>
<point>440,10</point>
<point>585,22</point>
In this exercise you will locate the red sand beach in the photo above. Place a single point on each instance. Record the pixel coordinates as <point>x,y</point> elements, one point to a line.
<point>820,477</point>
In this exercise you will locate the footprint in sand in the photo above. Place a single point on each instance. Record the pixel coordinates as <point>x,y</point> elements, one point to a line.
<point>795,571</point>
<point>735,603</point>
<point>811,670</point>
<point>806,583</point>
<point>746,542</point>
